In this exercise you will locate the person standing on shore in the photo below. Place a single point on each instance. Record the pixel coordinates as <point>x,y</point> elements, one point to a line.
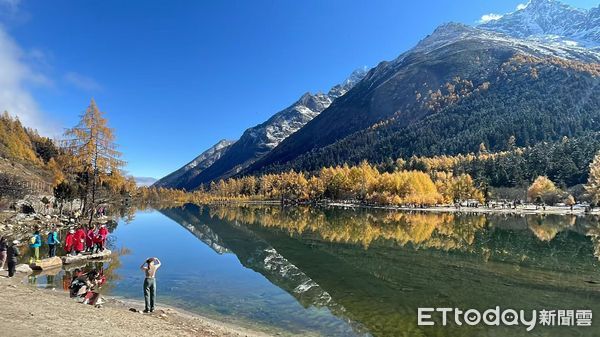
<point>35,243</point>
<point>79,244</point>
<point>69,242</point>
<point>89,239</point>
<point>103,234</point>
<point>12,253</point>
<point>3,249</point>
<point>53,241</point>
<point>149,267</point>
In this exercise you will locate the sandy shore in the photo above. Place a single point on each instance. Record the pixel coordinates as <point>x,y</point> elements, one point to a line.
<point>28,311</point>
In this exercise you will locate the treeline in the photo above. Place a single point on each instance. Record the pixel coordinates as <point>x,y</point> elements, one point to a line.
<point>363,182</point>
<point>565,162</point>
<point>159,197</point>
<point>418,181</point>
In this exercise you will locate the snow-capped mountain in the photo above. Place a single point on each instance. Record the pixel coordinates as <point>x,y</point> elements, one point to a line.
<point>552,22</point>
<point>259,140</point>
<point>451,33</point>
<point>178,178</point>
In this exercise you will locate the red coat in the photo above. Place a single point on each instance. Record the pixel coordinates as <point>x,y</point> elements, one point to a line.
<point>89,238</point>
<point>103,233</point>
<point>79,240</point>
<point>69,241</point>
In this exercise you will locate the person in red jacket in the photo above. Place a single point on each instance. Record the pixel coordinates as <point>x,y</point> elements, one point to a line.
<point>103,234</point>
<point>69,242</point>
<point>79,244</point>
<point>89,239</point>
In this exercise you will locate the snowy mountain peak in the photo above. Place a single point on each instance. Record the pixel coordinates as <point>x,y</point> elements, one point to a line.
<point>342,88</point>
<point>551,21</point>
<point>290,120</point>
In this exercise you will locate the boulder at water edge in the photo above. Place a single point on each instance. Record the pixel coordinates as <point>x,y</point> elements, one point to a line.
<point>23,268</point>
<point>49,263</point>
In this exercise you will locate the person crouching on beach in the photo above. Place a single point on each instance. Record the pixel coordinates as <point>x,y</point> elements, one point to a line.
<point>12,255</point>
<point>70,242</point>
<point>149,267</point>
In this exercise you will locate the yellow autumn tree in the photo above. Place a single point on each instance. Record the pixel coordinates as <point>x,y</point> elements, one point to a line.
<point>464,189</point>
<point>592,188</point>
<point>543,190</point>
<point>92,155</point>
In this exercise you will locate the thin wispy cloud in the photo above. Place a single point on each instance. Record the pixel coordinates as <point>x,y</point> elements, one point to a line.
<point>489,17</point>
<point>11,5</point>
<point>17,77</point>
<point>82,82</point>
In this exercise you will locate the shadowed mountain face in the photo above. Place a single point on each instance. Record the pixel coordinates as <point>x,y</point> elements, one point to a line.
<point>182,177</point>
<point>374,268</point>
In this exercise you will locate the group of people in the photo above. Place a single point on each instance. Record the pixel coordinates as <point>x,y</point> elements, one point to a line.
<point>83,285</point>
<point>92,240</point>
<point>9,255</point>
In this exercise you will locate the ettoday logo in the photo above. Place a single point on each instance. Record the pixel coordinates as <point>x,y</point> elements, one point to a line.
<point>507,317</point>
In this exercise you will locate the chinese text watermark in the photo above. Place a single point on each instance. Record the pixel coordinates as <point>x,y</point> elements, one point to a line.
<point>508,317</point>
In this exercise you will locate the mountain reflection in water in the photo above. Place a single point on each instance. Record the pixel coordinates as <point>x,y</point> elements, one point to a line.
<point>374,268</point>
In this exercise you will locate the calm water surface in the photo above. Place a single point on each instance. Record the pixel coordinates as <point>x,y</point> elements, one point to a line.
<point>335,272</point>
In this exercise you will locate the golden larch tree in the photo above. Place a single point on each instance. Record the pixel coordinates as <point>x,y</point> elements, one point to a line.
<point>592,187</point>
<point>92,154</point>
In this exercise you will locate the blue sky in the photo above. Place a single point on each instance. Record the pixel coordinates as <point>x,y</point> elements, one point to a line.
<point>174,77</point>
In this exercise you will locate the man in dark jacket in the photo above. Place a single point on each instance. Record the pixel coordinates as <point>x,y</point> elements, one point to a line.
<point>12,256</point>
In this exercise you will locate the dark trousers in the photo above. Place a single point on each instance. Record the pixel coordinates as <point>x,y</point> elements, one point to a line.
<point>149,292</point>
<point>51,250</point>
<point>11,268</point>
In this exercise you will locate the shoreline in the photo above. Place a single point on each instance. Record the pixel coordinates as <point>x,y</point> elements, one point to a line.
<point>33,311</point>
<point>556,210</point>
<point>520,210</point>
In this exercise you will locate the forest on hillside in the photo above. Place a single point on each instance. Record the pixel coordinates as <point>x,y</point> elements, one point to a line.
<point>505,112</point>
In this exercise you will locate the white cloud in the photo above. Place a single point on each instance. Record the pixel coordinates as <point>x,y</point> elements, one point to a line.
<point>82,82</point>
<point>489,17</point>
<point>521,6</point>
<point>15,95</point>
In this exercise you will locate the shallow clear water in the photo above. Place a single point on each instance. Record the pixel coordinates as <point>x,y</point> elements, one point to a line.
<point>337,272</point>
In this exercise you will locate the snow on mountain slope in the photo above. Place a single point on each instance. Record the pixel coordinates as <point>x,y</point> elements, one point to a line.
<point>551,21</point>
<point>194,167</point>
<point>288,121</point>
